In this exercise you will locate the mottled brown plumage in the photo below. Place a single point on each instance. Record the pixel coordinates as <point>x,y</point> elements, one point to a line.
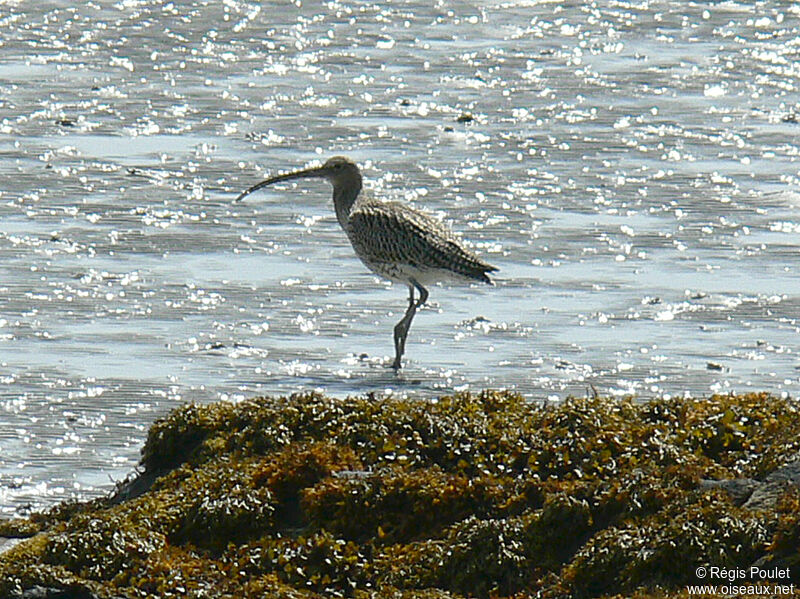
<point>393,239</point>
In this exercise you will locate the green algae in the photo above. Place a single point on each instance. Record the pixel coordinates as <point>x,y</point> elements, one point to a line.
<point>481,495</point>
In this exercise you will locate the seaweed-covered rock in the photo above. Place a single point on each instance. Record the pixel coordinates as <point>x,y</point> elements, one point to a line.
<point>395,505</point>
<point>319,562</point>
<point>704,528</point>
<point>784,551</point>
<point>99,547</point>
<point>486,557</point>
<point>483,495</point>
<point>767,495</point>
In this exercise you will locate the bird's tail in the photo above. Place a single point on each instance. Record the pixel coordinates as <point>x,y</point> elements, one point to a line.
<point>480,273</point>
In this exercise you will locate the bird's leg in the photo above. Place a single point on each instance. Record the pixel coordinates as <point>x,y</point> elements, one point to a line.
<point>401,329</point>
<point>423,297</point>
<point>423,293</point>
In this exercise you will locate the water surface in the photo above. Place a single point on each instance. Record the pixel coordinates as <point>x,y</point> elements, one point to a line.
<point>631,168</point>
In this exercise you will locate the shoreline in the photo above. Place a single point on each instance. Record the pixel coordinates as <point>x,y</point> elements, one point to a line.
<point>480,495</point>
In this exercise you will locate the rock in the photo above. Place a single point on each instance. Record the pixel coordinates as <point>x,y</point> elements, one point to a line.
<point>740,489</point>
<point>6,544</point>
<point>766,496</point>
<point>759,495</point>
<point>39,592</point>
<point>474,495</point>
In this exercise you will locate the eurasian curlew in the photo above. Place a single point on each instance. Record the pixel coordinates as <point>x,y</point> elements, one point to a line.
<point>393,240</point>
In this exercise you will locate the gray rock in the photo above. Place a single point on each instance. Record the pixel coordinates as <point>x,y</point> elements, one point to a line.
<point>39,592</point>
<point>740,489</point>
<point>766,495</point>
<point>759,495</point>
<point>7,543</point>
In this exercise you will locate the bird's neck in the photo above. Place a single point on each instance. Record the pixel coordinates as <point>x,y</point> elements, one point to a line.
<point>344,196</point>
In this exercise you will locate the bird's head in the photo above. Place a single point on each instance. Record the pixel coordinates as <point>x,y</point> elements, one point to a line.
<point>340,171</point>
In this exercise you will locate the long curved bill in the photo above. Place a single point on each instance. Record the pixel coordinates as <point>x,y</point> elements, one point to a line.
<point>316,171</point>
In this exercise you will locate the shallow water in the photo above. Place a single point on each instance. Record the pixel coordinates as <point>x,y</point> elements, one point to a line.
<point>631,168</point>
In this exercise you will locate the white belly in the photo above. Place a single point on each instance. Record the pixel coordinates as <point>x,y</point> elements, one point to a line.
<point>404,273</point>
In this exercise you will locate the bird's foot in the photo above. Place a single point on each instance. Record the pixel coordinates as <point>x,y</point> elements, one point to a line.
<point>396,365</point>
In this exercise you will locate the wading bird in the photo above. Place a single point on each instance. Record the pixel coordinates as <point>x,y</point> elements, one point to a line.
<point>393,240</point>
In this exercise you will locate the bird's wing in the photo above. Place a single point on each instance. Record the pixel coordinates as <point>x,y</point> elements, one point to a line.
<point>395,233</point>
